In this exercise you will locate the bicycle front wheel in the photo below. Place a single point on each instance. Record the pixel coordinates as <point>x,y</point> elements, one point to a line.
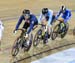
<point>54,34</point>
<point>37,38</point>
<point>65,30</point>
<point>15,48</point>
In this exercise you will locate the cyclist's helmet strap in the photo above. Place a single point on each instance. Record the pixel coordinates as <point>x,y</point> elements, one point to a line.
<point>44,10</point>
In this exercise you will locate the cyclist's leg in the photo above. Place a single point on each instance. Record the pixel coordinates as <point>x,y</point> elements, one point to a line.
<point>49,31</point>
<point>66,23</point>
<point>50,27</point>
<point>44,22</point>
<point>26,25</point>
<point>53,19</point>
<point>35,25</point>
<point>61,25</point>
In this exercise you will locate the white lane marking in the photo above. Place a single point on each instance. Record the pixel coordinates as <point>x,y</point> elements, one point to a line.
<point>66,56</point>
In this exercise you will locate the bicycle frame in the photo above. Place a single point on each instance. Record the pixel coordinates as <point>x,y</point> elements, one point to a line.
<point>39,37</point>
<point>22,32</point>
<point>21,42</point>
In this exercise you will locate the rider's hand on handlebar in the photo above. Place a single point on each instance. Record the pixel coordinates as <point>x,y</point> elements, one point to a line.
<point>15,31</point>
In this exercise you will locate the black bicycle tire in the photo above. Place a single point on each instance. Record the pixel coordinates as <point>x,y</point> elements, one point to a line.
<point>54,32</point>
<point>63,35</point>
<point>14,52</point>
<point>34,39</point>
<point>16,46</point>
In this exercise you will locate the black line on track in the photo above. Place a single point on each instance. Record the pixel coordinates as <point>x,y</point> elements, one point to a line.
<point>44,52</point>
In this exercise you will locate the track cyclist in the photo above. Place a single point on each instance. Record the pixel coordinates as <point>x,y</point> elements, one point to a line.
<point>65,15</point>
<point>30,21</point>
<point>47,18</point>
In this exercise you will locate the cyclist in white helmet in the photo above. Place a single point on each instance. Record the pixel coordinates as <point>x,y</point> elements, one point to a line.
<point>65,15</point>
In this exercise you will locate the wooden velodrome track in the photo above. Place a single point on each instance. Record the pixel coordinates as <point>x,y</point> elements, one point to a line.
<point>9,12</point>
